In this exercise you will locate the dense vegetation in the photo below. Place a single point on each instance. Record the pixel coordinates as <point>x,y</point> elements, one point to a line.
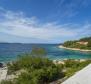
<point>75,44</point>
<point>43,71</point>
<point>33,69</point>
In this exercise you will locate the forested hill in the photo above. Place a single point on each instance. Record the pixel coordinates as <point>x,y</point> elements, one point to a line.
<point>83,43</point>
<point>86,39</point>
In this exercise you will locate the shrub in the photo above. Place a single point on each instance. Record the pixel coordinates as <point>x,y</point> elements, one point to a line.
<point>38,70</point>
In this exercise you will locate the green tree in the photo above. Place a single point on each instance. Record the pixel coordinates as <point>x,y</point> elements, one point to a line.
<point>89,44</point>
<point>38,51</point>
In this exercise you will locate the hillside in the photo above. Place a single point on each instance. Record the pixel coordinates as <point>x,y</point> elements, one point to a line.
<point>83,43</point>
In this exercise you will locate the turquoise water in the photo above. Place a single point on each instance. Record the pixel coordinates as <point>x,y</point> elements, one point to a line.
<point>9,52</point>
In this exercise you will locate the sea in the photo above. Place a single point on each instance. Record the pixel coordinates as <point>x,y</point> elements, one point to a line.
<point>10,51</point>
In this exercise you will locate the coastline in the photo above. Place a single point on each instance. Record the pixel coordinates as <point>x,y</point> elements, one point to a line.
<point>75,49</point>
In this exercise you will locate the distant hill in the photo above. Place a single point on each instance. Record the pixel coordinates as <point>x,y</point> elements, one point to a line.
<point>83,43</point>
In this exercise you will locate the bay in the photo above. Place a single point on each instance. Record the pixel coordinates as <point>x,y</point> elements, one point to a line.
<point>10,51</point>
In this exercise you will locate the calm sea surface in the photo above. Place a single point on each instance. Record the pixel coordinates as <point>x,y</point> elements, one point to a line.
<point>9,52</point>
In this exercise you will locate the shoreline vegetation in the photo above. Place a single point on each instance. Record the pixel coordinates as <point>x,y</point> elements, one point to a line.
<point>66,68</point>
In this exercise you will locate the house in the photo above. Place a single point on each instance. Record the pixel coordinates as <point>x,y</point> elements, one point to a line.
<point>82,43</point>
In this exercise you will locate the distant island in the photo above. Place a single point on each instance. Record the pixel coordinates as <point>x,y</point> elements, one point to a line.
<point>83,44</point>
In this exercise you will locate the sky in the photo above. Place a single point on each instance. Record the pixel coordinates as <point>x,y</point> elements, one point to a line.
<point>44,21</point>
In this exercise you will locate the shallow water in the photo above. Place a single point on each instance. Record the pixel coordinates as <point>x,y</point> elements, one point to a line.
<point>9,52</point>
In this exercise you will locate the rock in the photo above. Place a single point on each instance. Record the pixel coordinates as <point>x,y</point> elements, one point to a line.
<point>1,65</point>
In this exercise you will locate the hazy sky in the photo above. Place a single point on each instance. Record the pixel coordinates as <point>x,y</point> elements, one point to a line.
<point>44,21</point>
